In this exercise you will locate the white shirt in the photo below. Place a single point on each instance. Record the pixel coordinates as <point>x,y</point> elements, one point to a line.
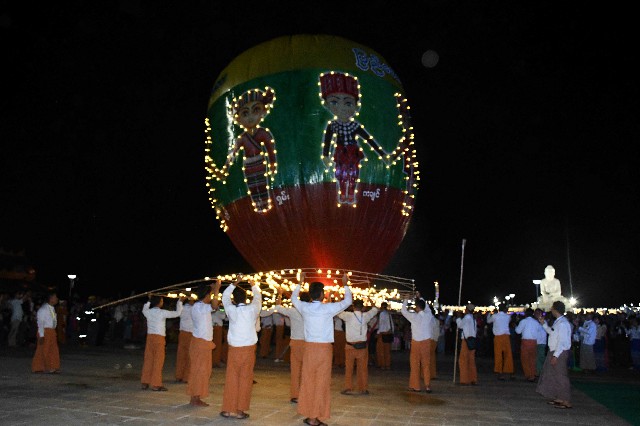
<point>297,323</point>
<point>541,336</point>
<point>500,323</point>
<point>337,324</point>
<point>242,318</point>
<point>217,318</point>
<point>266,320</point>
<point>467,325</point>
<point>118,312</point>
<point>278,320</point>
<point>601,331</point>
<point>421,322</point>
<point>186,322</point>
<point>588,332</point>
<point>46,318</point>
<point>356,324</point>
<point>318,316</point>
<point>265,315</point>
<point>16,310</point>
<point>202,323</point>
<point>157,318</point>
<point>385,323</point>
<point>559,336</point>
<point>435,331</point>
<point>529,328</point>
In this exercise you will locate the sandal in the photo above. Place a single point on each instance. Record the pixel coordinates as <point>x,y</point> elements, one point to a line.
<point>554,402</point>
<point>242,415</point>
<point>563,406</point>
<point>159,389</point>
<point>225,414</point>
<point>308,422</point>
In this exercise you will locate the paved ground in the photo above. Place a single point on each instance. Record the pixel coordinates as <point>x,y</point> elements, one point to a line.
<point>96,387</point>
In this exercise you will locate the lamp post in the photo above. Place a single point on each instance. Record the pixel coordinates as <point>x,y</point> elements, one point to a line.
<point>72,279</point>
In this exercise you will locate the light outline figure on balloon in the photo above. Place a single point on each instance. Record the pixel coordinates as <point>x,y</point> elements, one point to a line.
<point>340,94</point>
<point>259,169</point>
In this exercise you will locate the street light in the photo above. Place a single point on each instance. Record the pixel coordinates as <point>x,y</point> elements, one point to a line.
<point>537,284</point>
<point>509,297</point>
<point>72,278</point>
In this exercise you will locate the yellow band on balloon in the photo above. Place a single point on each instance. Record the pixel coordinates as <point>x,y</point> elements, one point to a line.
<point>300,52</point>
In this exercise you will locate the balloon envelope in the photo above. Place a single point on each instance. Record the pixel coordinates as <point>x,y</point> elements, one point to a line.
<point>309,155</point>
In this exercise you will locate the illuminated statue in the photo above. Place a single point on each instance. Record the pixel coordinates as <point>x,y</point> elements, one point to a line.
<point>550,289</point>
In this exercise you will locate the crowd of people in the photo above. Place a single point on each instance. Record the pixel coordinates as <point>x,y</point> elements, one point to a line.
<point>313,337</point>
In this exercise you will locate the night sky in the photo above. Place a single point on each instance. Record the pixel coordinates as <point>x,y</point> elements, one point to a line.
<point>526,134</point>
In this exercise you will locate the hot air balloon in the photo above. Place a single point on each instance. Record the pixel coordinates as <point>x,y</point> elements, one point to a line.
<point>309,155</point>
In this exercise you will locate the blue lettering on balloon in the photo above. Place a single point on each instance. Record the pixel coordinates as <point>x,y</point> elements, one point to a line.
<point>372,62</point>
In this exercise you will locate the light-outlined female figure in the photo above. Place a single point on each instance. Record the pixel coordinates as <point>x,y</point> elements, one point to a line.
<point>341,96</point>
<point>259,158</point>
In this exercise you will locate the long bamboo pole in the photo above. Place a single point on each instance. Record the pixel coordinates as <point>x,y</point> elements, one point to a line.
<point>283,275</point>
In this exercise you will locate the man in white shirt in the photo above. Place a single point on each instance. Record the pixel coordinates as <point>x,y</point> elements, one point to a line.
<point>541,343</point>
<point>296,343</point>
<point>433,343</point>
<point>356,353</point>
<point>279,325</point>
<point>47,356</point>
<point>420,353</point>
<point>339,342</point>
<point>385,332</point>
<point>467,359</point>
<point>502,356</point>
<point>201,348</point>
<point>554,380</point>
<point>242,338</point>
<point>217,318</point>
<point>588,333</point>
<point>17,313</point>
<point>154,350</point>
<point>266,334</point>
<point>184,341</point>
<point>314,401</point>
<point>528,328</point>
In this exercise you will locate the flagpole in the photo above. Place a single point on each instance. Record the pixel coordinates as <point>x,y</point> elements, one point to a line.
<point>455,356</point>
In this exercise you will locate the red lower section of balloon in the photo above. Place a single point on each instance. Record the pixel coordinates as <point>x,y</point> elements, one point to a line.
<point>305,228</point>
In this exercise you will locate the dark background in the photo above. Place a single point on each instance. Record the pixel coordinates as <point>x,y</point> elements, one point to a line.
<point>526,134</point>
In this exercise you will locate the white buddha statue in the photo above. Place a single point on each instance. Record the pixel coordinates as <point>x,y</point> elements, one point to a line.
<point>550,289</point>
